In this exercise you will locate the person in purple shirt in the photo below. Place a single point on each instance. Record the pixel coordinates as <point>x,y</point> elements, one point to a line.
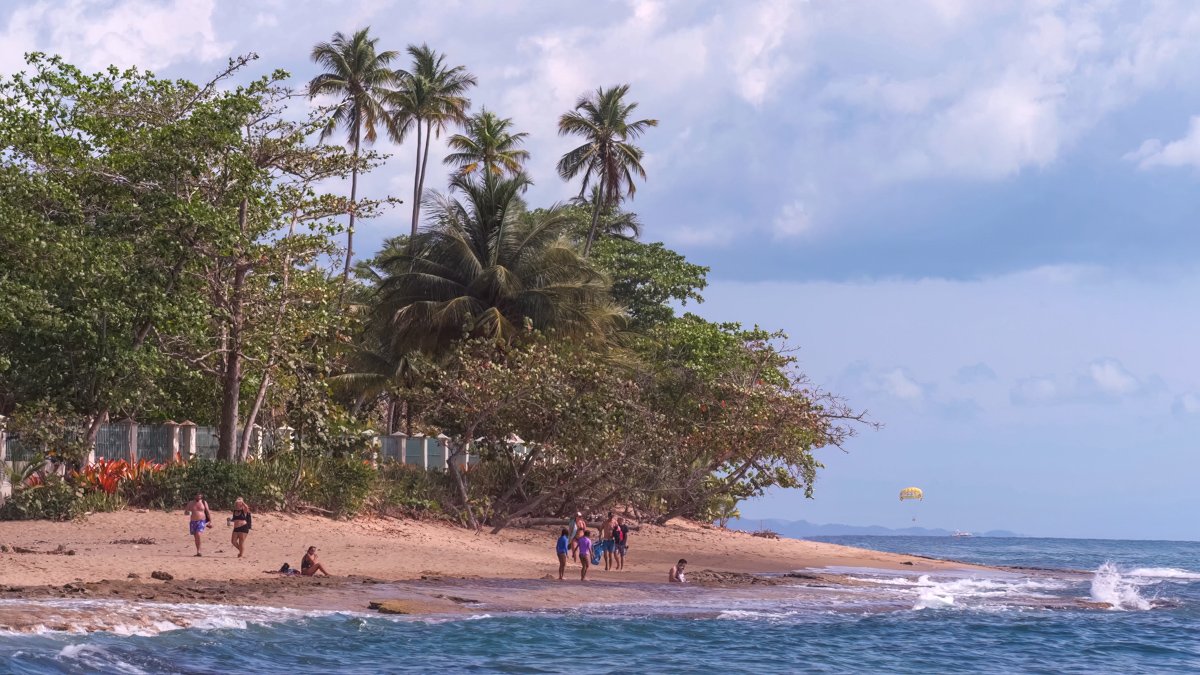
<point>585,554</point>
<point>561,548</point>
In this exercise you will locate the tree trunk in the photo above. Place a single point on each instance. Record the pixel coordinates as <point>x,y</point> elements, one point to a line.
<point>587,248</point>
<point>252,418</point>
<point>231,375</point>
<point>424,166</point>
<point>458,481</point>
<point>416,209</point>
<point>350,229</point>
<point>391,415</point>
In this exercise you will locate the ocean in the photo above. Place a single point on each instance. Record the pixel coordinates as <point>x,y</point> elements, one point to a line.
<point>1035,620</point>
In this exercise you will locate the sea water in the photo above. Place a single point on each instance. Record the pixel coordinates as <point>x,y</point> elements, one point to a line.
<point>1038,620</point>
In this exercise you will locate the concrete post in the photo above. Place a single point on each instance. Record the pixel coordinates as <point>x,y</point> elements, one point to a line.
<point>443,442</point>
<point>5,476</point>
<point>424,450</point>
<point>187,445</point>
<point>256,441</point>
<point>284,434</point>
<point>132,430</point>
<point>174,427</point>
<point>373,442</point>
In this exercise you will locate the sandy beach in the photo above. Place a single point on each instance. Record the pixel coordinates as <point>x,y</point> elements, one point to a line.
<point>111,546</point>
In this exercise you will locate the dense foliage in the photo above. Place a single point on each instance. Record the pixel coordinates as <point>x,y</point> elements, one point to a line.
<point>168,250</point>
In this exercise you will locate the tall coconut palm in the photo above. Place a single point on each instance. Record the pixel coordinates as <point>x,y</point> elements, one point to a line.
<point>607,157</point>
<point>358,75</point>
<point>431,97</point>
<point>486,267</point>
<point>488,145</point>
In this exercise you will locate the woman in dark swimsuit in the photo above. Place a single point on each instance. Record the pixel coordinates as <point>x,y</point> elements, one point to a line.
<point>309,565</point>
<point>241,525</point>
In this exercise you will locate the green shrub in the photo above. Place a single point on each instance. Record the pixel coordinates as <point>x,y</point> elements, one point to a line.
<point>410,489</point>
<point>51,499</point>
<point>97,502</point>
<point>338,485</point>
<point>262,484</point>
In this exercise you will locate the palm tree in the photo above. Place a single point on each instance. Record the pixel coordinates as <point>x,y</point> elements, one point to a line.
<point>607,157</point>
<point>373,373</point>
<point>487,268</point>
<point>612,222</point>
<point>358,74</point>
<point>430,98</point>
<point>488,145</point>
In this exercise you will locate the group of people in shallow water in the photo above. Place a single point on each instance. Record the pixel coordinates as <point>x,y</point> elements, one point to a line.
<point>241,520</point>
<point>611,545</point>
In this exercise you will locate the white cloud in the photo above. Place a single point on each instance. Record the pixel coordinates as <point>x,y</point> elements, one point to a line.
<point>1188,404</point>
<point>1181,152</point>
<point>1112,378</point>
<point>1032,390</point>
<point>151,35</point>
<point>1102,381</point>
<point>793,221</point>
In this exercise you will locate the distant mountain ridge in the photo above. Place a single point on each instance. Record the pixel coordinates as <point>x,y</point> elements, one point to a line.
<point>800,529</point>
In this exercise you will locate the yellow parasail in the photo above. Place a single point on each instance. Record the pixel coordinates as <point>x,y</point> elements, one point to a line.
<point>912,493</point>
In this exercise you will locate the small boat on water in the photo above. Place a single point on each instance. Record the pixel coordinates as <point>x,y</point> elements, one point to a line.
<point>960,533</point>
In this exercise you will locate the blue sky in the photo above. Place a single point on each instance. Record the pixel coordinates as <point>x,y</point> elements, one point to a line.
<point>978,220</point>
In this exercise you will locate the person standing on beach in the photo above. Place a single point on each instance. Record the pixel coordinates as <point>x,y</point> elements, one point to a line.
<point>608,543</point>
<point>561,548</point>
<point>197,511</point>
<point>241,525</point>
<point>621,535</point>
<point>584,545</point>
<point>577,527</point>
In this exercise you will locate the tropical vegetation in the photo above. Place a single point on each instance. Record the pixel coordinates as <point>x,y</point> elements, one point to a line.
<point>176,250</point>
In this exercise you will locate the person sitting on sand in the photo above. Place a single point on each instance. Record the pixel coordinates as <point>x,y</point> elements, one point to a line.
<point>676,574</point>
<point>577,527</point>
<point>197,511</point>
<point>309,566</point>
<point>561,548</point>
<point>585,552</point>
<point>241,525</point>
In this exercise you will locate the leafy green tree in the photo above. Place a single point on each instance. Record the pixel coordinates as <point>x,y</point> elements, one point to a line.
<point>482,269</point>
<point>431,97</point>
<point>488,145</point>
<point>607,157</point>
<point>648,279</point>
<point>357,74</point>
<point>100,207</point>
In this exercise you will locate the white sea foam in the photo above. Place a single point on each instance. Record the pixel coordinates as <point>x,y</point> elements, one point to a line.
<point>977,593</point>
<point>136,618</point>
<point>1120,593</point>
<point>97,659</point>
<point>1164,573</point>
<point>753,614</point>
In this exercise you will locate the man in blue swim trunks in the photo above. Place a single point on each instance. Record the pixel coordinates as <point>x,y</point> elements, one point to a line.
<point>197,510</point>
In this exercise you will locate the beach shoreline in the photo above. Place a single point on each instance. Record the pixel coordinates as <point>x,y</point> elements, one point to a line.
<point>419,567</point>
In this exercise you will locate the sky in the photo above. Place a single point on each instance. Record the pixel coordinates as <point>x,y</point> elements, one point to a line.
<point>976,219</point>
